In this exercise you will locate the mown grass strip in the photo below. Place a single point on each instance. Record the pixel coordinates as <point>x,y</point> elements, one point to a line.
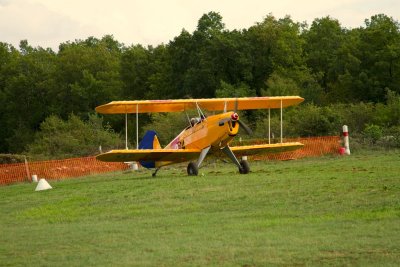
<point>325,211</point>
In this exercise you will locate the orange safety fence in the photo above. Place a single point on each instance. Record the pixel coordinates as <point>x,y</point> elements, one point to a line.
<point>313,147</point>
<point>75,167</point>
<point>56,169</point>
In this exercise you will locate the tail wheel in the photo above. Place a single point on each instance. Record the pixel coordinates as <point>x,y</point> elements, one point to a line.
<point>244,167</point>
<point>192,169</point>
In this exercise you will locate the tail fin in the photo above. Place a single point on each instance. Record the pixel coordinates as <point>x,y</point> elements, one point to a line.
<point>149,141</point>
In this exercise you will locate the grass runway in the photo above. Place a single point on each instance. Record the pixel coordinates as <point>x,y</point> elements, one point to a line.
<point>329,211</point>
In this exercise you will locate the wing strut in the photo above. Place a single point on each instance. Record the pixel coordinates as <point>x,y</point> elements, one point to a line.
<point>281,123</point>
<point>203,154</point>
<point>269,126</point>
<point>137,126</point>
<point>227,150</point>
<point>201,114</point>
<point>126,130</point>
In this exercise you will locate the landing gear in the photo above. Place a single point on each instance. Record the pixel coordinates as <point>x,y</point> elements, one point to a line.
<point>192,169</point>
<point>155,172</point>
<point>244,167</point>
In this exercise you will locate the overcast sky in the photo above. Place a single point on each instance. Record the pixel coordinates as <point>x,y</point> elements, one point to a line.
<point>48,23</point>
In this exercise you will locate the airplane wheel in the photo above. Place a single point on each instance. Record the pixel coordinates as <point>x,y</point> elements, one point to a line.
<point>192,169</point>
<point>245,168</point>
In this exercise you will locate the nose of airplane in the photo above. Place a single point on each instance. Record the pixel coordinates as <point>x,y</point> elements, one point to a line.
<point>234,117</point>
<point>233,126</point>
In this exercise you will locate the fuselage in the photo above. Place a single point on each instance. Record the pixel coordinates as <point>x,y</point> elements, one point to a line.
<point>215,131</point>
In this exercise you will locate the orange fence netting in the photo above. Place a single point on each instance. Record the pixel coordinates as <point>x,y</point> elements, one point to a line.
<point>56,169</point>
<point>313,147</point>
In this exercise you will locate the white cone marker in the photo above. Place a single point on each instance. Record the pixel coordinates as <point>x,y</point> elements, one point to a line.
<point>43,185</point>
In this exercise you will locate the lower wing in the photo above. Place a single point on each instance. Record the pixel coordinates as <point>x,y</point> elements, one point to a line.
<point>265,148</point>
<point>170,155</point>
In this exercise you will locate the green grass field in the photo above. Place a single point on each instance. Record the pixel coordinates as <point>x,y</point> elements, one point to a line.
<point>327,211</point>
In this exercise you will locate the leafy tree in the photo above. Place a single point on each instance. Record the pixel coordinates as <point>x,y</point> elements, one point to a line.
<point>393,104</point>
<point>388,114</point>
<point>307,84</point>
<point>88,75</point>
<point>276,45</point>
<point>228,90</point>
<point>7,52</point>
<point>135,72</point>
<point>312,120</point>
<point>28,93</point>
<point>162,84</point>
<point>72,138</point>
<point>210,24</point>
<point>323,41</point>
<point>280,86</point>
<point>345,85</point>
<point>181,55</point>
<point>380,53</point>
<point>204,71</point>
<point>373,132</point>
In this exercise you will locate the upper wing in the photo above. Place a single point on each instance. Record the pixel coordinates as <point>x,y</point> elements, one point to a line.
<point>265,148</point>
<point>211,104</point>
<point>173,155</point>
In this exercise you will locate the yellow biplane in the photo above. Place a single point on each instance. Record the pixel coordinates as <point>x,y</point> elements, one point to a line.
<point>204,135</point>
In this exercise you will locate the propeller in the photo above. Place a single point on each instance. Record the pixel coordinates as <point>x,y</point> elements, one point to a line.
<point>245,127</point>
<point>235,117</point>
<point>241,123</point>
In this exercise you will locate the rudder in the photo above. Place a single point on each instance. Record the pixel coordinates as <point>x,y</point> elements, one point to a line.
<point>149,141</point>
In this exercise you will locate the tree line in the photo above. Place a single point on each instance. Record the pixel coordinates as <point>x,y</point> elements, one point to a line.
<point>323,62</point>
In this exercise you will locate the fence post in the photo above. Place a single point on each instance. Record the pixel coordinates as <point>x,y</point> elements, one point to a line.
<point>28,174</point>
<point>346,139</point>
